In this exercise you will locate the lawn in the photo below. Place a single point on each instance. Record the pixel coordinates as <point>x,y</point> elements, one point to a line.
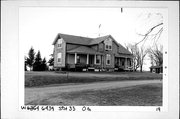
<point>33,79</point>
<point>140,95</point>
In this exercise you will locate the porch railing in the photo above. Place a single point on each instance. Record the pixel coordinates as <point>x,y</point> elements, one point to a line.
<point>83,65</point>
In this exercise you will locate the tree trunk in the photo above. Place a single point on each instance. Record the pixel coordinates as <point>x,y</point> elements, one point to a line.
<point>31,68</point>
<point>141,68</point>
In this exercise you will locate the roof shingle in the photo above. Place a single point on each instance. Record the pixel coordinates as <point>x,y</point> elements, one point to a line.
<point>123,50</point>
<point>98,40</point>
<point>83,49</point>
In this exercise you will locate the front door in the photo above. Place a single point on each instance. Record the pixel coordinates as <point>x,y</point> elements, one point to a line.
<point>91,59</point>
<point>116,62</point>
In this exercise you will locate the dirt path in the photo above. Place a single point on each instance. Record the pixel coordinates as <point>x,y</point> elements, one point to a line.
<point>37,94</point>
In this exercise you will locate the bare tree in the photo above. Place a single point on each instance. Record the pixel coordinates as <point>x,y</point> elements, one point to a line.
<point>142,54</point>
<point>139,54</point>
<point>156,55</point>
<point>152,33</point>
<point>136,55</point>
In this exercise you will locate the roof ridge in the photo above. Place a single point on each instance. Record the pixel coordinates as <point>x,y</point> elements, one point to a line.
<point>103,36</point>
<point>74,35</point>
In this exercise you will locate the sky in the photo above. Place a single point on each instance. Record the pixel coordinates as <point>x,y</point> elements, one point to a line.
<point>38,26</point>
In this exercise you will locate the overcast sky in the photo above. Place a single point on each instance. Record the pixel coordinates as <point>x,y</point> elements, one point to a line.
<point>38,26</point>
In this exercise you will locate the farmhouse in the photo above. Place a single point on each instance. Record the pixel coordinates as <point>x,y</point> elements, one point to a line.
<point>102,53</point>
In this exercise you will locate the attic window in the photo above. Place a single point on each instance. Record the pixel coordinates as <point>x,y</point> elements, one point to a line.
<point>110,39</point>
<point>108,47</point>
<point>108,44</point>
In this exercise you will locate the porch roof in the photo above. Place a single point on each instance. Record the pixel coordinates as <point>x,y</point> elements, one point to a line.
<point>83,50</point>
<point>124,55</point>
<point>154,67</point>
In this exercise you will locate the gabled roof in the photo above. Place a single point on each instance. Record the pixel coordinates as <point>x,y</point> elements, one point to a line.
<point>101,39</point>
<point>73,39</point>
<point>88,41</point>
<point>79,39</point>
<point>83,49</point>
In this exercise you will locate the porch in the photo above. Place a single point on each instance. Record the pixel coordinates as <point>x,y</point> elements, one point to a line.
<point>84,58</point>
<point>123,63</point>
<point>87,62</point>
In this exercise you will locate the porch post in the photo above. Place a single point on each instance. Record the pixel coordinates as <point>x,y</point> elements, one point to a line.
<point>75,58</point>
<point>131,62</point>
<point>87,59</point>
<point>125,62</point>
<point>95,59</point>
<point>102,61</point>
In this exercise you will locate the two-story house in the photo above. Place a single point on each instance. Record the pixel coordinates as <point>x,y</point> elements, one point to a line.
<point>102,53</point>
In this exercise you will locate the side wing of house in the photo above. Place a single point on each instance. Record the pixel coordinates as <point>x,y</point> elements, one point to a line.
<point>124,59</point>
<point>115,55</point>
<point>108,47</point>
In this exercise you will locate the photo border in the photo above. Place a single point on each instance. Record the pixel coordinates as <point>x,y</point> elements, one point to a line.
<point>171,87</point>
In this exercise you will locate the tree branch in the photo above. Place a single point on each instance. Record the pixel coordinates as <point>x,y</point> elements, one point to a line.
<point>150,30</point>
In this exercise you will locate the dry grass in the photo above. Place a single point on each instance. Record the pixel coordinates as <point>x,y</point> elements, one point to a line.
<point>46,78</point>
<point>142,95</point>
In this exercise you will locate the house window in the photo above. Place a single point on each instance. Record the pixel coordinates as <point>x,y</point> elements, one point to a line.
<point>78,59</point>
<point>59,43</point>
<point>110,47</point>
<point>108,59</point>
<point>106,47</point>
<point>98,59</point>
<point>59,57</point>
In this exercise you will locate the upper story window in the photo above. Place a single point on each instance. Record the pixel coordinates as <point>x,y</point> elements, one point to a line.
<point>59,43</point>
<point>110,47</point>
<point>108,44</point>
<point>108,59</point>
<point>59,57</point>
